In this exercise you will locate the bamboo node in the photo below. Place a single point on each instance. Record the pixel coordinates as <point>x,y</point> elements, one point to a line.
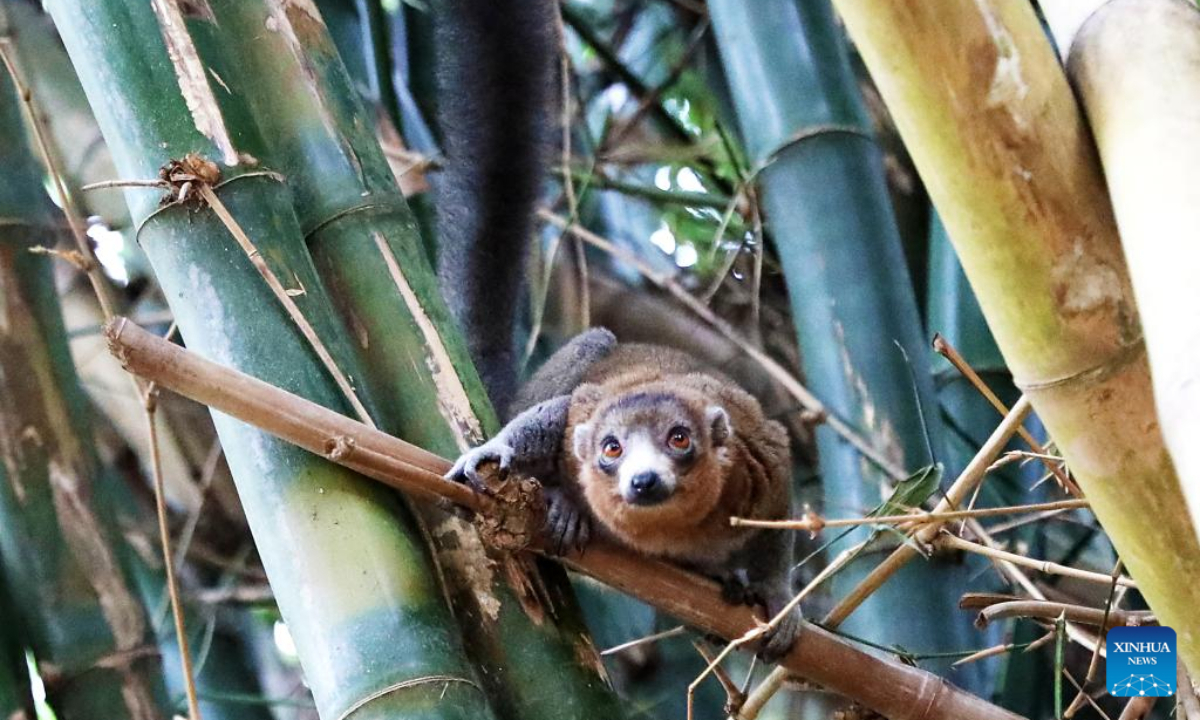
<point>339,448</point>
<point>112,335</point>
<point>184,177</point>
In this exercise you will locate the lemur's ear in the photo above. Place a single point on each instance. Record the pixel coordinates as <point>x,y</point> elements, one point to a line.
<point>581,440</point>
<point>718,424</point>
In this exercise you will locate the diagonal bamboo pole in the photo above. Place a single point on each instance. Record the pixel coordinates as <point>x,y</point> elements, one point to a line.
<point>985,110</point>
<point>898,691</point>
<point>1134,66</point>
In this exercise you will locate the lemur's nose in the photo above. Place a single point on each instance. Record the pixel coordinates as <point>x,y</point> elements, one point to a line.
<point>646,485</point>
<point>645,481</point>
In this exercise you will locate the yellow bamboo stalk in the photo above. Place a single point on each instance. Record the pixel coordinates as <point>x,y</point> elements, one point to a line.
<point>986,112</point>
<point>1136,66</point>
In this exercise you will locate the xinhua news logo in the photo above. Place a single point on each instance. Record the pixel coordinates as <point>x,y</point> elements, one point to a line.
<point>1140,661</point>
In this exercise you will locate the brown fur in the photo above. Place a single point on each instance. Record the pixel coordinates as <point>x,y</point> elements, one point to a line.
<point>747,476</point>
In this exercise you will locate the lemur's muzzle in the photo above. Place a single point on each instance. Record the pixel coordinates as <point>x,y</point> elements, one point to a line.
<point>646,488</point>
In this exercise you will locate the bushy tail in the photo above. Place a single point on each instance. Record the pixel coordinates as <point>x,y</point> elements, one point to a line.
<point>496,70</point>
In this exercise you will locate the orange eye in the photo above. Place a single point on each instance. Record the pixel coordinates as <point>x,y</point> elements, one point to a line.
<point>679,439</point>
<point>611,449</point>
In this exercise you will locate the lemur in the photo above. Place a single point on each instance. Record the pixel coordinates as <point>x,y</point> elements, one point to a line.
<point>638,443</point>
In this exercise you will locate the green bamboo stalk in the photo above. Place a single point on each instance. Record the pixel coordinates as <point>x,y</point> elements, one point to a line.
<point>16,701</point>
<point>350,576</point>
<point>367,250</point>
<point>1138,85</point>
<point>1007,160</point>
<point>70,119</point>
<point>828,210</point>
<point>61,551</point>
<point>219,656</point>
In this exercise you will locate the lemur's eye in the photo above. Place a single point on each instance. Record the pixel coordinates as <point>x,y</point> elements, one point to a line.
<point>611,449</point>
<point>680,439</point>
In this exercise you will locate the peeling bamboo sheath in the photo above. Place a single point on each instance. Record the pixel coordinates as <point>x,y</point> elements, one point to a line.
<point>898,691</point>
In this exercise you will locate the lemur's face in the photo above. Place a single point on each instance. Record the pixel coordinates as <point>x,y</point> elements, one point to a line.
<point>643,449</point>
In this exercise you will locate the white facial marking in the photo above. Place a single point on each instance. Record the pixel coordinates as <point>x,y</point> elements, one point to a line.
<point>643,454</point>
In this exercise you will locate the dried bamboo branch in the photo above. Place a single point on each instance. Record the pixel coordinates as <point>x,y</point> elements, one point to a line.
<point>150,401</point>
<point>891,688</point>
<point>954,542</point>
<point>285,299</point>
<point>946,350</point>
<point>971,476</point>
<point>1052,610</point>
<point>816,523</point>
<point>1138,708</point>
<point>90,265</point>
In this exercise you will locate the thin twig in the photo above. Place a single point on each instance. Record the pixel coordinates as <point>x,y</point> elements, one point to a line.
<point>1046,610</point>
<point>106,184</point>
<point>961,488</point>
<point>1002,650</point>
<point>208,472</point>
<point>653,98</point>
<point>1059,651</point>
<point>289,305</point>
<point>95,275</point>
<point>150,401</point>
<point>714,663</point>
<point>762,693</point>
<point>719,237</point>
<point>816,523</point>
<point>1094,663</point>
<point>1050,568</point>
<point>677,630</point>
<point>565,73</point>
<point>780,374</point>
<point>1090,700</point>
<point>946,350</point>
<point>734,697</point>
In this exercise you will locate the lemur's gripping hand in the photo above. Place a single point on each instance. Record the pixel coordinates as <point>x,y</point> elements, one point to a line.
<point>568,528</point>
<point>529,444</point>
<point>777,642</point>
<point>466,469</point>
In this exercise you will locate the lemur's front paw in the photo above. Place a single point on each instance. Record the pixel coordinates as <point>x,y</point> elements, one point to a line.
<point>778,642</point>
<point>567,528</point>
<point>735,590</point>
<point>466,470</point>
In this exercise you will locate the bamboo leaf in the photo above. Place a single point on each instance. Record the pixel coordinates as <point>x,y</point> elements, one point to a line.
<point>912,491</point>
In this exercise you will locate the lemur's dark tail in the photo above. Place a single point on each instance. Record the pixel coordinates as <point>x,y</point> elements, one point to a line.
<point>496,70</point>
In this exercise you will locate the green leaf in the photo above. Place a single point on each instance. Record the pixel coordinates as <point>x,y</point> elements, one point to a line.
<point>912,491</point>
